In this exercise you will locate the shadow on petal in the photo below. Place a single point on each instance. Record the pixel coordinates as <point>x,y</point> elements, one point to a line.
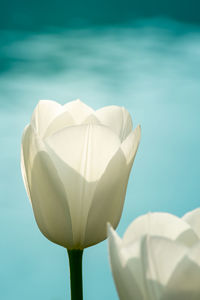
<point>49,201</point>
<point>108,199</point>
<point>184,283</point>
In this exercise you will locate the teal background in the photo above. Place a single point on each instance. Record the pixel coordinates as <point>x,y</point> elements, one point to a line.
<point>142,55</point>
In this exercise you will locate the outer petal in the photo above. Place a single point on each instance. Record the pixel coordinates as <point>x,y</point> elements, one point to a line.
<point>193,219</point>
<point>184,281</point>
<point>108,200</point>
<point>160,258</point>
<point>28,153</point>
<point>110,192</point>
<point>125,280</point>
<point>79,193</point>
<point>193,254</point>
<point>80,165</point>
<point>152,260</point>
<point>79,110</point>
<point>46,193</point>
<point>130,145</point>
<point>117,118</point>
<point>44,113</point>
<point>163,225</point>
<point>169,272</point>
<point>135,265</point>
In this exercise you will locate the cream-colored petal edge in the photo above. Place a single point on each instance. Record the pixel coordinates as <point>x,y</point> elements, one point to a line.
<point>108,199</point>
<point>131,143</point>
<point>125,282</point>
<point>162,225</point>
<point>45,190</point>
<point>79,110</point>
<point>44,113</point>
<point>117,119</point>
<point>193,219</point>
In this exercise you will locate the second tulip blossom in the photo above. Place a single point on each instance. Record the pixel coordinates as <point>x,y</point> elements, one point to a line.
<point>158,258</point>
<point>75,165</point>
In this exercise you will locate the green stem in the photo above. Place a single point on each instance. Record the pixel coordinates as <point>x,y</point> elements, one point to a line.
<point>75,264</point>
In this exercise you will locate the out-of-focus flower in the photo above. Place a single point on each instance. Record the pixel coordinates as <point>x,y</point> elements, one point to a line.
<point>158,258</point>
<point>75,165</point>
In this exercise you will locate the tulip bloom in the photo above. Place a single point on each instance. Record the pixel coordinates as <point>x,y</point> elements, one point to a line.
<point>75,164</point>
<point>158,258</point>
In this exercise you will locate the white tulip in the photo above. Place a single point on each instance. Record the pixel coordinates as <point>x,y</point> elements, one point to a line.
<point>75,165</point>
<point>158,258</point>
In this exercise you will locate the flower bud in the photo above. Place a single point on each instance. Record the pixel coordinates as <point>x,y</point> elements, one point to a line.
<point>158,258</point>
<point>75,164</point>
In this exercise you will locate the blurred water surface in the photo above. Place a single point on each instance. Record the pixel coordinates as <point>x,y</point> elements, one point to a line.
<point>152,68</point>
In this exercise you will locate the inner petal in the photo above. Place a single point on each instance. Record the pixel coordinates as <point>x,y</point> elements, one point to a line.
<point>79,110</point>
<point>64,119</point>
<point>86,148</point>
<point>44,113</point>
<point>161,225</point>
<point>117,119</point>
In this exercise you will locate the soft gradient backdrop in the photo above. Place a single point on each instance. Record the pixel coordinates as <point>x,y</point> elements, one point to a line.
<point>142,55</point>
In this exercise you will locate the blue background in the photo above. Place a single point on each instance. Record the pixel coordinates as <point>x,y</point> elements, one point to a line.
<point>142,55</point>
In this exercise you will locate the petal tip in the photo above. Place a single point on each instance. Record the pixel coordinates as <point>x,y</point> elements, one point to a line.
<point>112,235</point>
<point>109,229</point>
<point>138,129</point>
<point>45,101</point>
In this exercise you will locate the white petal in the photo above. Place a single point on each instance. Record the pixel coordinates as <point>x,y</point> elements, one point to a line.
<point>61,121</point>
<point>193,219</point>
<point>45,190</point>
<point>85,148</point>
<point>125,282</point>
<point>130,144</point>
<point>49,201</point>
<point>115,247</point>
<point>79,194</point>
<point>108,199</point>
<point>91,119</point>
<point>134,264</point>
<point>28,153</point>
<point>79,110</point>
<point>117,118</point>
<point>151,286</point>
<point>80,163</point>
<point>110,192</point>
<point>163,225</point>
<point>160,257</point>
<point>194,253</point>
<point>184,281</point>
<point>44,113</point>
<point>114,242</point>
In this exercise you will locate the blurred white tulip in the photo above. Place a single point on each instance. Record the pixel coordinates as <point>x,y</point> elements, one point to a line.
<point>75,164</point>
<point>158,258</point>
